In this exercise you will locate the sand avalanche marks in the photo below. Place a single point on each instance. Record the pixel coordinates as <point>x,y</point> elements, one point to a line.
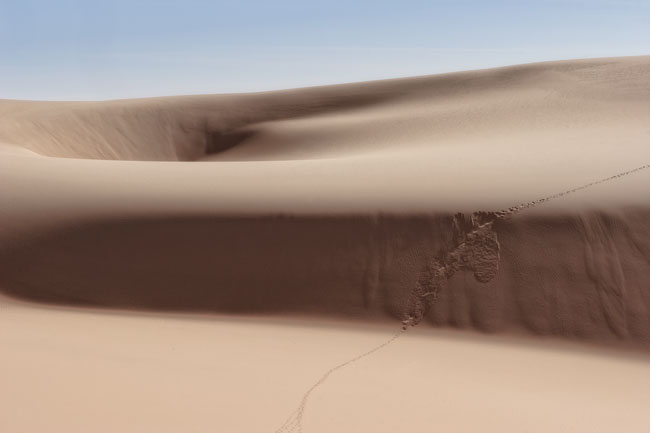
<point>477,251</point>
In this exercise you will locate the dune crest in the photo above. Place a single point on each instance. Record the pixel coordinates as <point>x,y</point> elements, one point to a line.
<point>365,201</point>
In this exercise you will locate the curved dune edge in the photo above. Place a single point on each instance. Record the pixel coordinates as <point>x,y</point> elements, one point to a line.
<point>354,201</point>
<point>581,276</point>
<point>320,122</point>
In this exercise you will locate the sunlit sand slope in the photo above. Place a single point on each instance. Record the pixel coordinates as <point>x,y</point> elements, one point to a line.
<point>411,199</point>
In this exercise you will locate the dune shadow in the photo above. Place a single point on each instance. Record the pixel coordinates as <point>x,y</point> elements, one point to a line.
<point>217,142</point>
<point>209,264</point>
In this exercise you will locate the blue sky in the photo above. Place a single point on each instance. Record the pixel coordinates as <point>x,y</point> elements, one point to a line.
<point>73,49</point>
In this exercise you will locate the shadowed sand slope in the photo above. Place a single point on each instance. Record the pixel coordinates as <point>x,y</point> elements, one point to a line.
<point>364,200</point>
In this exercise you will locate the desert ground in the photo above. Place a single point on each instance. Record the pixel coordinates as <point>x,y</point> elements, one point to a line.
<point>459,252</point>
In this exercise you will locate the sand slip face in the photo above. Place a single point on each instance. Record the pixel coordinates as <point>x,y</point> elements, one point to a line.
<point>381,201</point>
<point>335,200</point>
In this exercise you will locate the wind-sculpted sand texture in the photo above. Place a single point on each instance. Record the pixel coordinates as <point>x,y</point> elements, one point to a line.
<point>362,202</point>
<point>477,251</point>
<point>345,200</point>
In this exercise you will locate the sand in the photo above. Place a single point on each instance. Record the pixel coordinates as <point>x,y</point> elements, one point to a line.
<point>180,263</point>
<point>79,371</point>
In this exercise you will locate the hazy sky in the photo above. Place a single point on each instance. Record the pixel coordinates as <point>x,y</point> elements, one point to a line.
<point>67,49</point>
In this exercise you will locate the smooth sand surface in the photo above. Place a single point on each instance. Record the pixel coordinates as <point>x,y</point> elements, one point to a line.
<point>75,371</point>
<point>155,253</point>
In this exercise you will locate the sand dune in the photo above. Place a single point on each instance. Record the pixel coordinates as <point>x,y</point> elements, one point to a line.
<point>337,200</point>
<point>292,233</point>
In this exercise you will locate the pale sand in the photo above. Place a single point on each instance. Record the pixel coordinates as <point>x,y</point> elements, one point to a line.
<point>339,202</point>
<point>74,372</point>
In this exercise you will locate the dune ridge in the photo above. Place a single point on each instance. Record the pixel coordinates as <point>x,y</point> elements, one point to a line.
<point>363,201</point>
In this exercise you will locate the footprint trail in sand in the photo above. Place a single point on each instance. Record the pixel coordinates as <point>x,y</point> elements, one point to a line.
<point>477,250</point>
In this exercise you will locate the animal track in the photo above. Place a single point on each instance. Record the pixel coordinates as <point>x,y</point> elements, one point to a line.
<point>476,249</point>
<point>294,422</point>
<point>514,209</point>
